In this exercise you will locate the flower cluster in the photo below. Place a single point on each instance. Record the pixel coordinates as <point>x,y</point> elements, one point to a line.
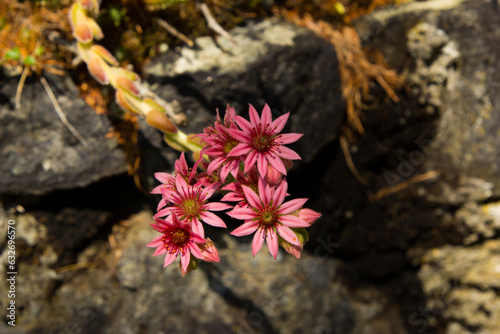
<point>247,161</point>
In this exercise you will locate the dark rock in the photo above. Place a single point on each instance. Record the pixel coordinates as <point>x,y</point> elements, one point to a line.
<point>39,154</point>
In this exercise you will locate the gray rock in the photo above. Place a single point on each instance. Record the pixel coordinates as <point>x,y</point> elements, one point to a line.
<point>39,154</point>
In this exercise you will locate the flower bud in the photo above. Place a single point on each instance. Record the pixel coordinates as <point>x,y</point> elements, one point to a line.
<point>210,253</point>
<point>123,100</point>
<point>193,264</point>
<point>83,33</point>
<point>104,54</point>
<point>127,85</point>
<point>97,68</point>
<point>308,215</point>
<point>159,120</point>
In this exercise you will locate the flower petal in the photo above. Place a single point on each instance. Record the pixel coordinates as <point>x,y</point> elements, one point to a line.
<point>272,242</point>
<point>262,164</point>
<point>252,198</point>
<point>197,228</point>
<point>242,213</point>
<point>254,116</point>
<point>217,206</point>
<point>291,206</point>
<point>244,125</point>
<point>247,228</point>
<point>212,219</point>
<point>288,138</point>
<point>185,257</point>
<point>279,123</point>
<point>258,241</point>
<point>156,242</point>
<point>292,221</point>
<point>277,163</point>
<point>287,153</point>
<point>169,258</point>
<point>280,193</point>
<point>250,160</point>
<point>286,233</point>
<point>196,251</point>
<point>240,149</point>
<point>266,117</point>
<point>160,251</point>
<point>163,177</point>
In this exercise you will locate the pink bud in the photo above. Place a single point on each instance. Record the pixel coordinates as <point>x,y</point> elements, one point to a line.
<point>96,68</point>
<point>83,33</point>
<point>159,120</point>
<point>104,54</point>
<point>273,176</point>
<point>309,216</point>
<point>127,85</point>
<point>210,253</point>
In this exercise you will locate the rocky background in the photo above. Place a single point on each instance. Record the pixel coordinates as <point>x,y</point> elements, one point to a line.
<point>415,250</point>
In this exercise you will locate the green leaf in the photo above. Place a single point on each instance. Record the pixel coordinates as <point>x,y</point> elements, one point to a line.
<point>13,54</point>
<point>30,61</point>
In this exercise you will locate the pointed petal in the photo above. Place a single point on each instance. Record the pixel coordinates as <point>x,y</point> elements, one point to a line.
<point>169,258</point>
<point>252,198</point>
<point>217,206</point>
<point>212,219</point>
<point>291,206</point>
<point>286,233</point>
<point>258,241</point>
<point>163,177</point>
<point>197,228</point>
<point>181,164</point>
<point>244,125</point>
<point>254,116</point>
<point>232,197</point>
<point>264,191</point>
<point>214,164</point>
<point>287,138</point>
<point>240,149</point>
<point>160,251</point>
<point>185,257</point>
<point>156,242</point>
<point>250,160</point>
<point>164,212</point>
<point>196,251</point>
<point>245,229</point>
<point>279,123</point>
<point>242,213</point>
<point>280,193</point>
<point>181,184</point>
<point>277,163</point>
<point>292,221</point>
<point>157,190</point>
<point>262,164</point>
<point>272,242</point>
<point>266,117</point>
<point>286,153</point>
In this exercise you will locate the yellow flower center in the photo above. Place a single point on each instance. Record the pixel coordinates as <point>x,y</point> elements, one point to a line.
<point>179,237</point>
<point>191,207</point>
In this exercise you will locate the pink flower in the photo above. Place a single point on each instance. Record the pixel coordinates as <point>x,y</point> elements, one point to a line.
<point>219,144</point>
<point>176,238</point>
<point>189,203</point>
<point>268,216</point>
<point>168,180</point>
<point>261,143</point>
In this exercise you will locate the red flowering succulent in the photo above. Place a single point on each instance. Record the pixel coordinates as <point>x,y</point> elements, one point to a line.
<point>247,160</point>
